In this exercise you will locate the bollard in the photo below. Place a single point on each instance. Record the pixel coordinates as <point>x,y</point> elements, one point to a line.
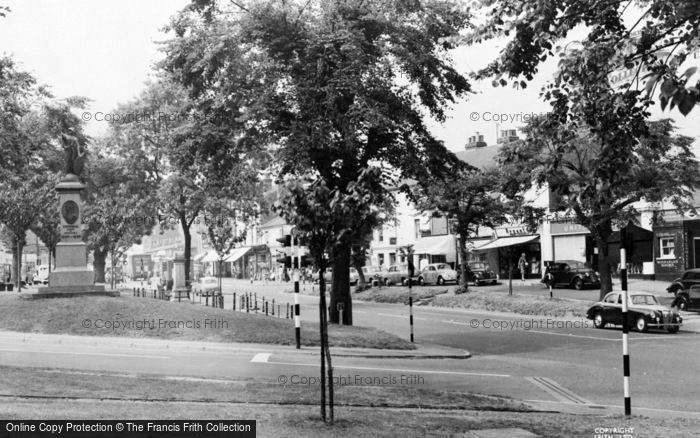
<point>134,291</point>
<point>206,301</point>
<point>287,317</point>
<point>221,301</point>
<point>234,301</point>
<point>255,301</point>
<point>247,304</point>
<point>273,307</point>
<point>265,305</point>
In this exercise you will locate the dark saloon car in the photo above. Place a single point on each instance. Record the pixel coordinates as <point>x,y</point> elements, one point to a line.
<point>480,273</point>
<point>686,290</point>
<point>643,312</point>
<point>570,273</point>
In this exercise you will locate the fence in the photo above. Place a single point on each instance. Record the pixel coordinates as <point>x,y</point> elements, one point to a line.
<point>247,302</point>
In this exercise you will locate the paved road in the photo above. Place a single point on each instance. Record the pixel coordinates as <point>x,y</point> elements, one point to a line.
<point>567,363</point>
<point>526,358</point>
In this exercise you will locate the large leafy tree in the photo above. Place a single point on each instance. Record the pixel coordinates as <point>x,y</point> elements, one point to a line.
<point>600,183</point>
<point>651,38</point>
<point>176,141</point>
<point>227,219</point>
<point>469,198</point>
<point>121,207</point>
<point>338,86</point>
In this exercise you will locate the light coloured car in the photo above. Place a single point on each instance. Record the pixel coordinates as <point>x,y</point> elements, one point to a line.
<point>396,274</point>
<point>373,274</point>
<point>437,273</point>
<point>207,285</point>
<point>328,276</point>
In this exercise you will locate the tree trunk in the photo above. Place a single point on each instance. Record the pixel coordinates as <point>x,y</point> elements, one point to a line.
<point>321,318</point>
<point>361,280</point>
<point>16,274</point>
<point>604,265</point>
<point>98,264</point>
<point>113,273</point>
<point>340,290</point>
<point>510,272</point>
<point>463,283</point>
<point>188,247</point>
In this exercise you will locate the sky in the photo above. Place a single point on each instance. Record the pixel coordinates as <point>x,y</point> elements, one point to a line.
<point>106,50</point>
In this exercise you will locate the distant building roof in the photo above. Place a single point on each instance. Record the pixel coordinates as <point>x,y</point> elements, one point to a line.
<point>480,158</point>
<point>274,222</point>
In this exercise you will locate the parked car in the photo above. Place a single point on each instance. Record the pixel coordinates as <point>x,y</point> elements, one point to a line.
<point>571,273</point>
<point>480,273</point>
<point>328,276</point>
<point>644,311</point>
<point>373,274</point>
<point>207,285</point>
<point>686,289</point>
<point>396,274</point>
<point>438,273</point>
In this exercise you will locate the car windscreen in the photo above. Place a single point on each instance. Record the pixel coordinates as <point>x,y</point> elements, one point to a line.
<point>644,299</point>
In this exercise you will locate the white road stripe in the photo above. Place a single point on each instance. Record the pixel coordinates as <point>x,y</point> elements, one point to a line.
<point>459,373</point>
<point>84,354</point>
<point>261,357</point>
<point>393,315</point>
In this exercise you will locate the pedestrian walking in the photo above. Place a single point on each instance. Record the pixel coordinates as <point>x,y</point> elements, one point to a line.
<point>522,265</point>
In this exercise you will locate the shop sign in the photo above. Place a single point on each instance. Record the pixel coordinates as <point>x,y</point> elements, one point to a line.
<point>567,228</point>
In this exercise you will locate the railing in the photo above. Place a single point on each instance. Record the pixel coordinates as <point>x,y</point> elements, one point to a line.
<point>247,302</point>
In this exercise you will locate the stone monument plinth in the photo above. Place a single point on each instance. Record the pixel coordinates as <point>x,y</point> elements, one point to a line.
<point>180,292</point>
<point>72,276</point>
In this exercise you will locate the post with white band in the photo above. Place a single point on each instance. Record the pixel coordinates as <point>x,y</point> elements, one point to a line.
<point>625,330</point>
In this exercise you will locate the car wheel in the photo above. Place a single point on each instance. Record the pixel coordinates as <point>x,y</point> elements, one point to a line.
<point>641,325</point>
<point>598,320</point>
<point>421,281</point>
<point>404,282</point>
<point>440,281</point>
<point>578,284</point>
<point>673,329</point>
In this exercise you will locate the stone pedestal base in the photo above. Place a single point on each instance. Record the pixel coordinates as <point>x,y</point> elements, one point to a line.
<point>179,295</point>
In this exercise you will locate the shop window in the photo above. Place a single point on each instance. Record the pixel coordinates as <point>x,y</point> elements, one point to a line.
<point>392,258</point>
<point>381,259</point>
<point>439,258</point>
<point>667,248</point>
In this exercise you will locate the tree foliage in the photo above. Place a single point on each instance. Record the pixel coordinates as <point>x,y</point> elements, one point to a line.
<point>599,182</point>
<point>338,87</point>
<point>469,198</point>
<point>655,43</point>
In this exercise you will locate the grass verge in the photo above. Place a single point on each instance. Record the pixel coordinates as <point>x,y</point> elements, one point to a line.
<point>292,411</point>
<point>126,316</point>
<point>398,294</point>
<point>522,304</point>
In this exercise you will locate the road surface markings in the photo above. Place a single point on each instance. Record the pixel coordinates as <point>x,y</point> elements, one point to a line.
<point>570,335</point>
<point>261,357</point>
<point>84,354</point>
<point>558,391</point>
<point>401,370</point>
<point>451,321</point>
<point>688,413</point>
<point>393,315</point>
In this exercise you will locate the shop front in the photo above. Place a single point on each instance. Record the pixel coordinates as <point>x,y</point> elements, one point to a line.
<point>508,246</point>
<point>435,249</point>
<point>676,246</point>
